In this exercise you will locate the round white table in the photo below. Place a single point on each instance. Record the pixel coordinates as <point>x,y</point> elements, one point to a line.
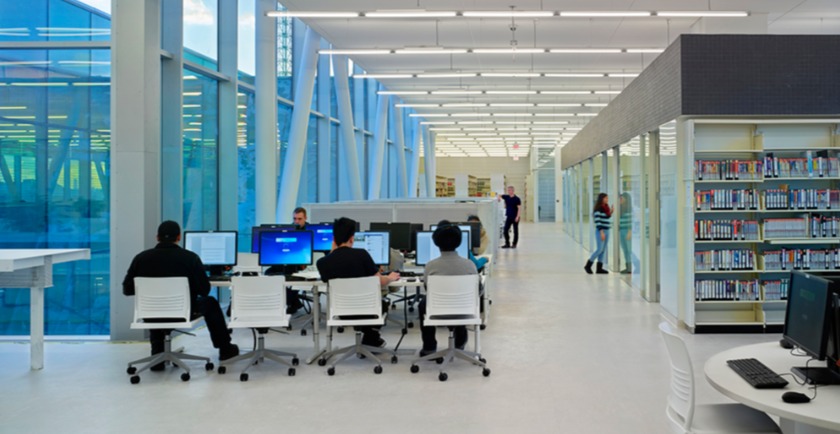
<point>821,415</point>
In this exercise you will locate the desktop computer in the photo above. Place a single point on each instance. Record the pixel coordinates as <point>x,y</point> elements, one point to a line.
<point>400,233</point>
<point>322,236</point>
<point>427,250</point>
<point>285,248</point>
<point>257,230</point>
<point>377,245</point>
<point>811,324</point>
<point>217,249</point>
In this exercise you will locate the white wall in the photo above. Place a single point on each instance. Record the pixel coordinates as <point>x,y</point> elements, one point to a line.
<point>515,172</point>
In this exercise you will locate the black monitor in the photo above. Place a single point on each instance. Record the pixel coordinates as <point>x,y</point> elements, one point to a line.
<point>475,233</point>
<point>415,227</point>
<point>256,230</point>
<point>377,245</point>
<point>322,236</point>
<point>217,249</point>
<point>400,233</point>
<point>466,234</point>
<point>285,248</point>
<point>808,322</point>
<point>428,250</point>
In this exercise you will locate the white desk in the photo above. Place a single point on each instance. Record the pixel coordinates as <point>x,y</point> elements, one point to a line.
<point>32,268</point>
<point>821,415</point>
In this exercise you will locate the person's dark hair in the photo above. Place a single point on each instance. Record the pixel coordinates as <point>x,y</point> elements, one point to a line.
<point>599,203</point>
<point>626,203</point>
<point>473,218</point>
<point>299,210</point>
<point>447,236</point>
<point>168,231</point>
<point>343,229</point>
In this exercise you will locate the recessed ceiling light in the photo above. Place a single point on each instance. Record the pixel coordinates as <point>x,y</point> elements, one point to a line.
<point>585,50</point>
<point>508,50</point>
<point>312,14</point>
<point>448,75</point>
<point>410,14</point>
<point>692,14</point>
<point>605,14</point>
<point>508,14</point>
<point>431,51</point>
<point>511,74</point>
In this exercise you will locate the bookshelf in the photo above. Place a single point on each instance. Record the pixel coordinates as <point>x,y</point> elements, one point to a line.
<point>482,186</point>
<point>441,189</point>
<point>766,194</point>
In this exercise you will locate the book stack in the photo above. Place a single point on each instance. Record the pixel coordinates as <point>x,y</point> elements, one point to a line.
<point>824,227</point>
<point>786,228</point>
<point>724,260</point>
<point>726,199</point>
<point>709,290</point>
<point>705,230</point>
<point>800,198</point>
<point>727,169</point>
<point>801,259</point>
<point>812,165</point>
<point>776,289</point>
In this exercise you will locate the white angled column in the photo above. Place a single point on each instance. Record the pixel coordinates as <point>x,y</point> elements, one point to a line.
<point>228,116</point>
<point>345,116</point>
<point>399,131</point>
<point>414,170</point>
<point>135,181</point>
<point>290,180</point>
<point>265,113</point>
<point>429,162</point>
<point>324,127</point>
<point>377,161</point>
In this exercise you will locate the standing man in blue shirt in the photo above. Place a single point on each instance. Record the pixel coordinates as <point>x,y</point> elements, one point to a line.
<point>513,207</point>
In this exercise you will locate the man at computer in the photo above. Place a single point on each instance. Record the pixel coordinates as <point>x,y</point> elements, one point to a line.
<point>447,237</point>
<point>345,262</point>
<point>168,259</point>
<point>293,303</point>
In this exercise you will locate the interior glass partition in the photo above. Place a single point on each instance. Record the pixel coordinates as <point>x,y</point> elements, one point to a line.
<point>629,210</point>
<point>585,205</point>
<point>668,208</point>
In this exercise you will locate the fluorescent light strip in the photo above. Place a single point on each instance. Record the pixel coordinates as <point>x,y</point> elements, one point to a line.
<point>457,92</point>
<point>380,76</point>
<point>585,50</point>
<point>350,52</point>
<point>508,14</point>
<point>15,107</point>
<point>510,92</point>
<point>622,74</point>
<point>573,75</point>
<point>513,104</point>
<point>510,74</point>
<point>431,51</point>
<point>559,105</point>
<point>509,50</point>
<point>693,14</point>
<point>48,84</point>
<point>605,14</point>
<point>448,75</point>
<point>417,105</point>
<point>459,104</point>
<point>411,14</point>
<point>645,50</point>
<point>312,14</point>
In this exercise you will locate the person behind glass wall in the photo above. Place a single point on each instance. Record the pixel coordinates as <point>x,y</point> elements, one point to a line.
<point>479,262</point>
<point>625,225</point>
<point>293,303</point>
<point>601,217</point>
<point>513,206</point>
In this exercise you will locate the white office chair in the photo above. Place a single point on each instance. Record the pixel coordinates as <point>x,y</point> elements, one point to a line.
<point>453,301</point>
<point>685,417</point>
<point>355,302</point>
<point>163,303</point>
<point>247,264</point>
<point>259,303</point>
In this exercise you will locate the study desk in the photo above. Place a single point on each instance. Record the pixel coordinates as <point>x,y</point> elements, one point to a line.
<point>32,268</point>
<point>820,416</point>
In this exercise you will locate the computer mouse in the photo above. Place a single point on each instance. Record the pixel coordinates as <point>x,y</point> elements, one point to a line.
<point>795,398</point>
<point>784,343</point>
<point>411,279</point>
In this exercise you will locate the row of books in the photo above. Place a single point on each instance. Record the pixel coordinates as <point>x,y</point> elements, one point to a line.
<point>786,228</point>
<point>776,289</point>
<point>726,230</point>
<point>813,165</point>
<point>724,260</point>
<point>805,198</point>
<point>708,290</point>
<point>824,227</point>
<point>728,169</point>
<point>801,259</point>
<point>726,199</point>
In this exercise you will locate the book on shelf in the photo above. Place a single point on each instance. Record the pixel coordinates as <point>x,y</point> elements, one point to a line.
<point>775,228</point>
<point>803,198</point>
<point>726,290</point>
<point>801,259</point>
<point>726,199</point>
<point>724,260</point>
<point>824,227</point>
<point>708,230</point>
<point>775,290</point>
<point>811,165</point>
<point>723,170</point>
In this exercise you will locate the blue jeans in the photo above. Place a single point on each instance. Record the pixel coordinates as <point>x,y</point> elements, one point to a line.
<point>627,248</point>
<point>601,250</point>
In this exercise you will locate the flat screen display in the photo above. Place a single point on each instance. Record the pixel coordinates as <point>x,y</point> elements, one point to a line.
<point>322,234</point>
<point>808,312</point>
<point>427,250</point>
<point>214,248</point>
<point>376,243</point>
<point>285,248</point>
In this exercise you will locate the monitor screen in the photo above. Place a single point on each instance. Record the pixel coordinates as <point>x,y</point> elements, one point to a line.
<point>400,233</point>
<point>427,250</point>
<point>256,230</point>
<point>465,237</point>
<point>376,243</point>
<point>322,234</point>
<point>475,233</point>
<point>415,227</point>
<point>214,248</point>
<point>286,248</point>
<point>808,313</point>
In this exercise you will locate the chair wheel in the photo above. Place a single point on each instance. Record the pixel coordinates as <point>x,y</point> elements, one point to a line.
<point>377,369</point>
<point>291,372</point>
<point>303,332</point>
<point>131,370</point>
<point>443,376</point>
<point>185,376</point>
<point>411,309</point>
<point>415,369</point>
<point>243,376</point>
<point>208,366</point>
<point>491,301</point>
<point>485,372</point>
<point>331,371</point>
<point>340,329</point>
<point>483,326</point>
<point>135,379</point>
<point>222,369</point>
<point>322,362</point>
<point>411,324</point>
<point>404,331</point>
<point>394,359</point>
<point>295,361</point>
<point>439,360</point>
<point>482,360</point>
<point>288,328</point>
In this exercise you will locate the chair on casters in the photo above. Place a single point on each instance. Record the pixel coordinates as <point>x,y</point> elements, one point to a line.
<point>260,303</point>
<point>355,302</point>
<point>163,303</point>
<point>685,417</point>
<point>452,301</point>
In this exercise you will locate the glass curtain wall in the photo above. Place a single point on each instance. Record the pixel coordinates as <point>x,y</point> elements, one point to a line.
<point>201,152</point>
<point>668,207</point>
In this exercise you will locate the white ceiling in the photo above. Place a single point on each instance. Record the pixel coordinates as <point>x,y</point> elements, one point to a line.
<point>783,17</point>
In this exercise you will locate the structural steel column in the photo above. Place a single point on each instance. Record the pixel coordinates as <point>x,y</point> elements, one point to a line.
<point>290,180</point>
<point>135,146</point>
<point>414,171</point>
<point>171,112</point>
<point>265,113</point>
<point>429,162</point>
<point>345,116</point>
<point>324,127</point>
<point>228,117</point>
<point>400,132</point>
<point>377,159</point>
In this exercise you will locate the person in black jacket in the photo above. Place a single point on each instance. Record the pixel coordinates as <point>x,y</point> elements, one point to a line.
<point>168,259</point>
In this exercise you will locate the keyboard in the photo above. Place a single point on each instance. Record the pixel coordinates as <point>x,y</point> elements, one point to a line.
<point>408,274</point>
<point>757,374</point>
<point>219,278</point>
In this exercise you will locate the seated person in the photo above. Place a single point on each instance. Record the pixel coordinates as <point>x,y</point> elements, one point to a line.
<point>479,262</point>
<point>447,237</point>
<point>293,302</point>
<point>168,259</point>
<point>344,262</point>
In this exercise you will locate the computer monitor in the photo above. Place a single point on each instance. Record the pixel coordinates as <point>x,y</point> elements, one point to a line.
<point>427,250</point>
<point>400,233</point>
<point>256,230</point>
<point>808,322</point>
<point>285,248</point>
<point>475,233</point>
<point>322,236</point>
<point>376,243</point>
<point>217,249</point>
<point>466,233</point>
<point>415,227</point>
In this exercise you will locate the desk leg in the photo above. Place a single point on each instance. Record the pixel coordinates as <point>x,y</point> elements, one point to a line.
<point>793,427</point>
<point>316,325</point>
<point>36,327</point>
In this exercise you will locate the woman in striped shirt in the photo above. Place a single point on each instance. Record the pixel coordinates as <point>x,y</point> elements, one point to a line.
<point>625,226</point>
<point>601,218</point>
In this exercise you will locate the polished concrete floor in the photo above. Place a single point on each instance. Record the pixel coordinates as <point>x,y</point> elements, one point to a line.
<point>569,353</point>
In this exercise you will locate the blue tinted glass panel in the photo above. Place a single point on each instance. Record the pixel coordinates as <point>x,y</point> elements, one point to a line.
<point>201,28</point>
<point>246,155</point>
<point>201,130</point>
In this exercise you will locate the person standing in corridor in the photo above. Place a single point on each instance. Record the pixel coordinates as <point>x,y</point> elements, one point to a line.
<point>513,208</point>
